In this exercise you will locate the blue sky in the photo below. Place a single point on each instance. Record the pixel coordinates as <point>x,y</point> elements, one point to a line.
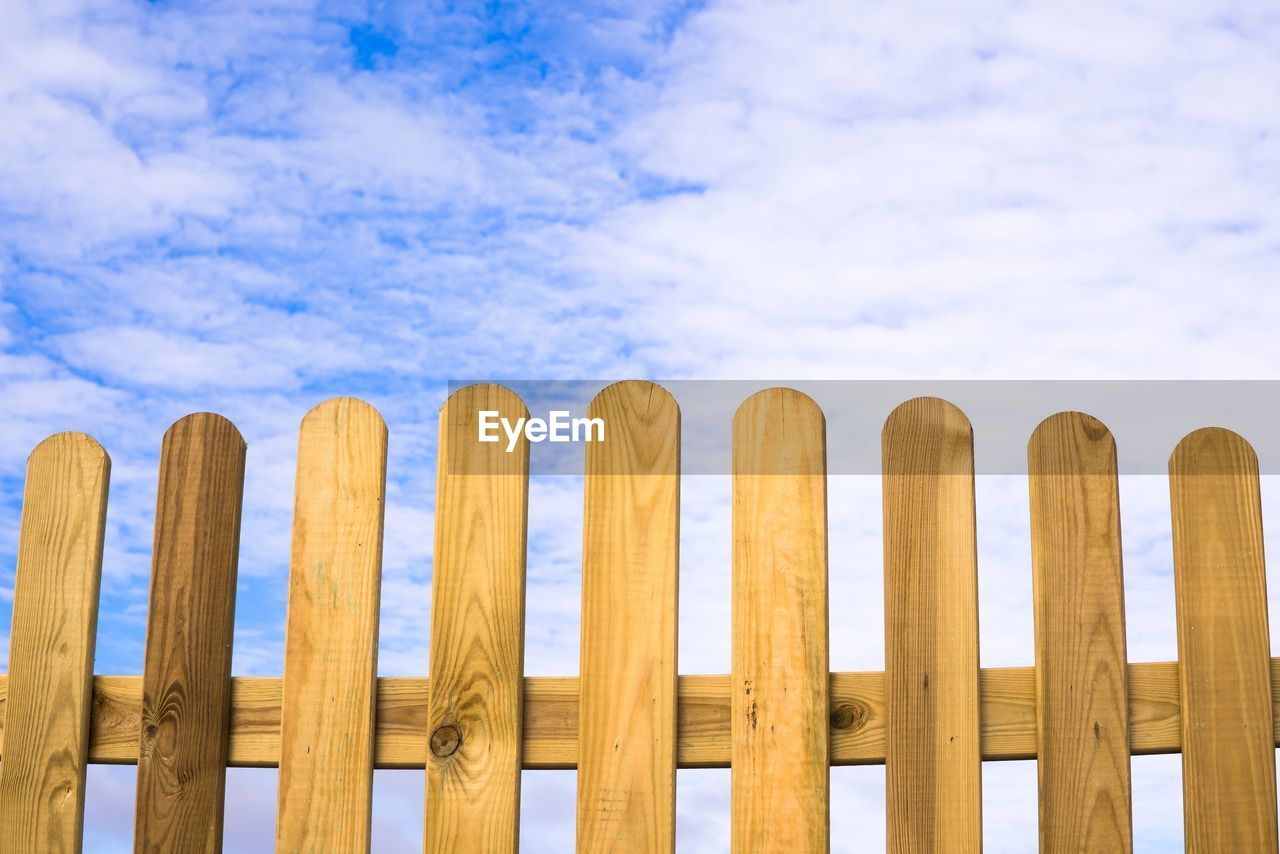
<point>249,208</point>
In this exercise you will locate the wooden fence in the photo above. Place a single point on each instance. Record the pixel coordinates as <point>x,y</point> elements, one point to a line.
<point>779,720</point>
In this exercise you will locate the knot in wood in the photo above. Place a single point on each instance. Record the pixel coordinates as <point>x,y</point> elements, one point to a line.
<point>848,716</point>
<point>445,741</point>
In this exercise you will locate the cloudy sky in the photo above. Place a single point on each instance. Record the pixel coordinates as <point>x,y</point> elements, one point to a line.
<point>249,208</point>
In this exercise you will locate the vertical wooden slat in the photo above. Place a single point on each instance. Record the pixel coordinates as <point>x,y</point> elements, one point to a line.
<point>779,725</point>
<point>1228,762</point>
<point>186,693</point>
<point>55,618</point>
<point>475,714</point>
<point>331,641</point>
<point>626,724</point>
<point>1082,711</point>
<point>932,750</point>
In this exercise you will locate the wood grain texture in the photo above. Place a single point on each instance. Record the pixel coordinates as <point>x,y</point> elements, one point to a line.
<point>331,640</point>
<point>779,723</point>
<point>933,752</point>
<point>55,619</point>
<point>1081,691</point>
<point>477,630</point>
<point>550,738</point>
<point>186,694</point>
<point>630,556</point>
<point>1228,766</point>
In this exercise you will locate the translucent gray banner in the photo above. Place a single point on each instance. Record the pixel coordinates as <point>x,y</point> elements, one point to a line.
<point>1147,418</point>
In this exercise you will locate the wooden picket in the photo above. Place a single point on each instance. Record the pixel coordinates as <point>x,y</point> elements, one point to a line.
<point>780,688</point>
<point>477,631</point>
<point>933,756</point>
<point>331,640</point>
<point>779,720</point>
<point>1229,766</point>
<point>627,702</point>
<point>1082,712</point>
<point>55,620</point>
<point>186,678</point>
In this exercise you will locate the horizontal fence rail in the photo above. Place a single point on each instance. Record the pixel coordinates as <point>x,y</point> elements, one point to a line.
<point>779,720</point>
<point>550,732</point>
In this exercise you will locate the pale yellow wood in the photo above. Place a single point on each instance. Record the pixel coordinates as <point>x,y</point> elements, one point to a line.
<point>477,630</point>
<point>933,713</point>
<point>1081,694</point>
<point>780,741</point>
<point>627,724</point>
<point>933,752</point>
<point>330,665</point>
<point>1228,764</point>
<point>550,738</point>
<point>55,618</point>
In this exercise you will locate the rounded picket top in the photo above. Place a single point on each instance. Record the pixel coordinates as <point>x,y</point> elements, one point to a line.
<point>639,430</point>
<point>488,395</point>
<point>1071,420</point>
<point>209,423</point>
<point>1071,442</point>
<point>69,443</point>
<point>488,410</point>
<point>927,435</point>
<point>629,392</point>
<point>931,413</point>
<point>779,396</point>
<point>637,404</point>
<point>350,411</point>
<point>779,430</point>
<point>1213,450</point>
<point>70,459</point>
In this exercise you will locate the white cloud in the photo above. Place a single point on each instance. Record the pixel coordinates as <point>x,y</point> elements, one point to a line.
<point>141,356</point>
<point>890,193</point>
